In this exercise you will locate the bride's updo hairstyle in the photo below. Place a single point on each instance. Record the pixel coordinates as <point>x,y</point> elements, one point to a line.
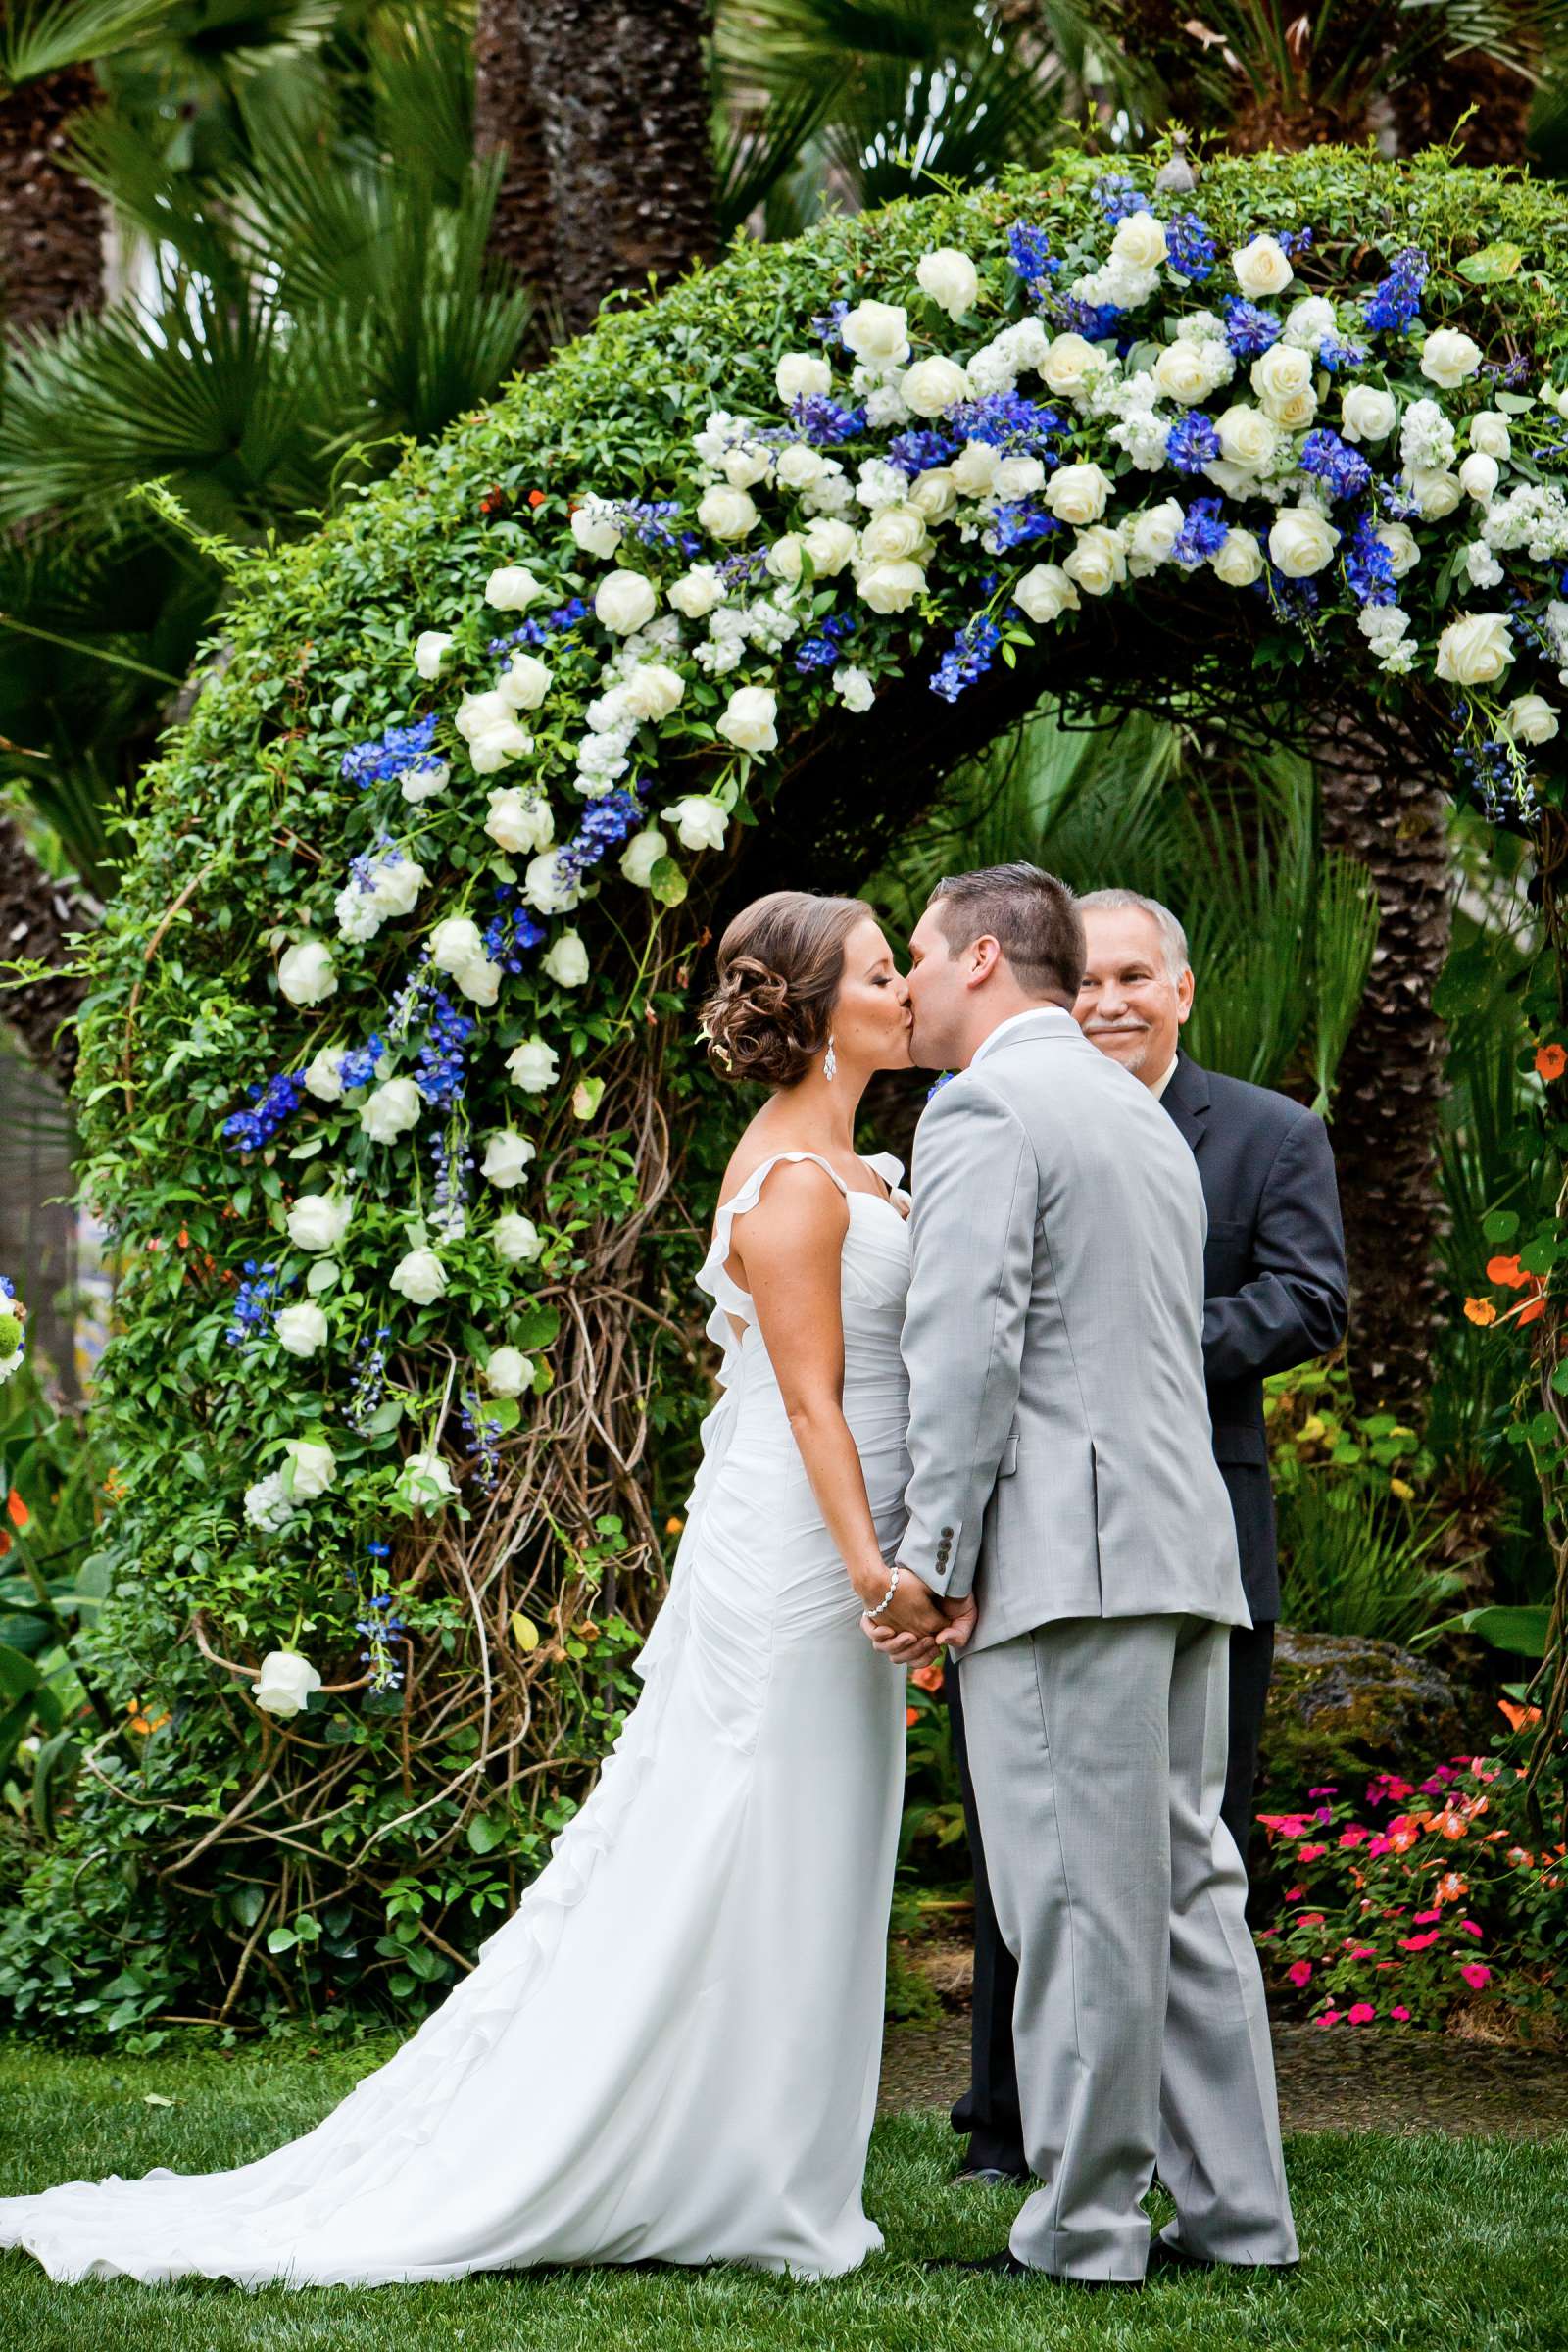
<point>779,967</point>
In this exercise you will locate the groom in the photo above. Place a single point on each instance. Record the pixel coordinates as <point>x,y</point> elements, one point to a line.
<point>1068,1525</point>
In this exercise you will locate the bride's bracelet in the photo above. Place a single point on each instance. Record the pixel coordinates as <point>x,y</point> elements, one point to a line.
<point>884,1603</point>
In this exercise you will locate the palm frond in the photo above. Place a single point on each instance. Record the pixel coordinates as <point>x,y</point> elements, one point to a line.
<point>45,36</point>
<point>1346,923</point>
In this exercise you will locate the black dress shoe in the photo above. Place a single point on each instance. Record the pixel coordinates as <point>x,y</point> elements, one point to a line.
<point>1008,2266</point>
<point>1167,2254</point>
<point>991,2176</point>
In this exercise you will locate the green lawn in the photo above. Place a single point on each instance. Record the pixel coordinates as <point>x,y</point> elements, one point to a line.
<point>1432,2243</point>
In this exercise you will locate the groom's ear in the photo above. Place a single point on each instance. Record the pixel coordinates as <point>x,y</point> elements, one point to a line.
<point>984,955</point>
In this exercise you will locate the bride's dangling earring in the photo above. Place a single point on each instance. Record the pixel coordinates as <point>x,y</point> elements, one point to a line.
<point>830,1060</point>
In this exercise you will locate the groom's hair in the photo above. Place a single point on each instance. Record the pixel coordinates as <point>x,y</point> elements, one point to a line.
<point>1033,918</point>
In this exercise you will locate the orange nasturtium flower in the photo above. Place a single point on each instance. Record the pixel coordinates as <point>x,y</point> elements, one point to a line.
<point>1550,1062</point>
<point>1507,1271</point>
<point>17,1510</point>
<point>1480,1310</point>
<point>1518,1717</point>
<point>929,1678</point>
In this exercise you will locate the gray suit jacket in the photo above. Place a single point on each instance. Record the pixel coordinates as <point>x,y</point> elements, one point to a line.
<point>1062,1459</point>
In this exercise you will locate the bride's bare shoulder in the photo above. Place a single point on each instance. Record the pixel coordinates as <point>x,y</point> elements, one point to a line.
<point>758,1147</point>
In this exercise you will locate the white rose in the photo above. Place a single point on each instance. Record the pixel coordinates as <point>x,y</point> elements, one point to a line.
<point>747,723</point>
<point>455,943</point>
<point>305,973</point>
<point>526,682</point>
<point>423,783</point>
<point>1404,552</point>
<point>931,387</point>
<point>1240,561</point>
<point>1077,494</point>
<point>1069,363</point>
<point>429,648</point>
<point>1154,534</point>
<point>654,690</point>
<point>515,1239</point>
<point>508,1372</point>
<point>701,824</point>
<point>1435,491</point>
<point>802,375</point>
<point>1181,373</point>
<point>1448,357</point>
<point>891,534</point>
<point>425,1482</point>
<point>935,493</point>
<point>1367,413</point>
<point>322,1078</point>
<point>419,1276</point>
<point>519,820</point>
<point>1530,718</point>
<point>568,961</point>
<point>320,1220</point>
<point>1097,562</point>
<point>398,884</point>
<point>642,854</point>
<point>625,601</point>
<point>1479,476</point>
<point>545,887</point>
<point>310,1468</point>
<point>697,592</point>
<point>975,467</point>
<point>391,1108</point>
<point>799,465</point>
<point>512,589</point>
<point>853,687</point>
<point>890,587</point>
<point>285,1683</point>
<point>478,981</point>
<point>489,727</point>
<point>534,1065</point>
<point>1476,648</point>
<point>1045,593</point>
<point>507,1154</point>
<point>1262,268</point>
<point>1489,434</point>
<point>830,544</point>
<point>596,532</point>
<point>1247,437</point>
<point>877,332</point>
<point>1139,243</point>
<point>783,558</point>
<point>1019,477</point>
<point>359,917</point>
<point>301,1329</point>
<point>1283,381</point>
<point>951,279</point>
<point>1302,542</point>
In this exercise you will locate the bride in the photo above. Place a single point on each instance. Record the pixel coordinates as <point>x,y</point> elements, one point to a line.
<point>670,2051</point>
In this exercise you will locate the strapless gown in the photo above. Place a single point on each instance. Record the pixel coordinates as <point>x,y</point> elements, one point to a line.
<point>670,2051</point>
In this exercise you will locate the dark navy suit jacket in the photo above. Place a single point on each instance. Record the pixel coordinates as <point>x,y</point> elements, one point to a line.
<point>1274,1278</point>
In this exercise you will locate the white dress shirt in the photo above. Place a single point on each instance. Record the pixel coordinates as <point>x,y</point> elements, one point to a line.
<point>1055,1013</point>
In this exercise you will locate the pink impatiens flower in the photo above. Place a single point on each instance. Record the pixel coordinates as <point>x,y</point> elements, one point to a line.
<point>1467,1927</point>
<point>1424,1919</point>
<point>1476,1972</point>
<point>1418,1944</point>
<point>1299,1972</point>
<point>1362,2013</point>
<point>1399,2011</point>
<point>1311,1854</point>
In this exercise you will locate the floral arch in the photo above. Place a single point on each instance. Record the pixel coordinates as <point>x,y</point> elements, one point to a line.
<point>389,1067</point>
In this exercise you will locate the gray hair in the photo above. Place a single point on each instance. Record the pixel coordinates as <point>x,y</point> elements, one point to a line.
<point>1173,939</point>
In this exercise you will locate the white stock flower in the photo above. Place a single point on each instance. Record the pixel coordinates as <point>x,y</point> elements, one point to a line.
<point>1139,243</point>
<point>301,1328</point>
<point>1448,357</point>
<point>642,854</point>
<point>429,648</point>
<point>568,961</point>
<point>284,1684</point>
<point>1367,413</point>
<point>654,690</point>
<point>697,592</point>
<point>597,527</point>
<point>829,543</point>
<point>1479,476</point>
<point>320,1220</point>
<point>508,1372</point>
<point>515,1238</point>
<point>512,588</point>
<point>1239,561</point>
<point>390,1109</point>
<point>305,973</point>
<point>1309,321</point>
<point>625,601</point>
<point>266,1503</point>
<point>1247,437</point>
<point>1153,536</point>
<point>1078,494</point>
<point>526,683</point>
<point>1403,551</point>
<point>889,587</point>
<point>747,723</point>
<point>934,494</point>
<point>1435,491</point>
<point>1097,562</point>
<point>1480,564</point>
<point>1383,625</point>
<point>1475,649</point>
<point>545,887</point>
<point>880,484</point>
<point>700,822</point>
<point>1262,268</point>
<point>950,278</point>
<point>893,534</point>
<point>802,375</point>
<point>324,1078</point>
<point>1426,437</point>
<point>1283,381</point>
<point>519,820</point>
<point>1045,593</point>
<point>1302,542</point>
<point>419,1276</point>
<point>853,687</point>
<point>310,1468</point>
<point>1530,718</point>
<point>506,1154</point>
<point>877,332</point>
<point>425,1483</point>
<point>534,1065</point>
<point>1069,363</point>
<point>933,386</point>
<point>1489,433</point>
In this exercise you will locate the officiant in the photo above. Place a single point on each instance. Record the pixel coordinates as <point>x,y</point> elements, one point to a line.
<point>1276,1296</point>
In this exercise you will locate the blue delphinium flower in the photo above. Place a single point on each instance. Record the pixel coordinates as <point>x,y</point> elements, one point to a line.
<point>1334,353</point>
<point>401,750</point>
<point>822,651</point>
<point>1368,564</point>
<point>1292,241</point>
<point>967,658</point>
<point>917,452</point>
<point>357,1068</point>
<point>369,1385</point>
<point>1190,246</point>
<point>1008,422</point>
<point>1249,330</point>
<point>1201,535</point>
<point>1117,197</point>
<point>558,624</point>
<point>823,421</point>
<point>1031,255</point>
<point>275,1103</point>
<point>511,932</point>
<point>1396,300</point>
<point>1019,521</point>
<point>828,324</point>
<point>1096,321</point>
<point>1192,442</point>
<point>255,1303</point>
<point>606,822</point>
<point>441,1070</point>
<point>1341,470</point>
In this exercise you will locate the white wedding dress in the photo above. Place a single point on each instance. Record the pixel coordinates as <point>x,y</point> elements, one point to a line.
<point>670,2050</point>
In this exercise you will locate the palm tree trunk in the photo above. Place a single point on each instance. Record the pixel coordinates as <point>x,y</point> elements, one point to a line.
<point>52,255</point>
<point>1389,817</point>
<point>506,114</point>
<point>628,138</point>
<point>37,915</point>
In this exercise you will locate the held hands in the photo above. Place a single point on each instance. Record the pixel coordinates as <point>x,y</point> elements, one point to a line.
<point>917,1625</point>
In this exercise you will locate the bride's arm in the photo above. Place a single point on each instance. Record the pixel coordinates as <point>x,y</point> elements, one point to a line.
<point>791,1246</point>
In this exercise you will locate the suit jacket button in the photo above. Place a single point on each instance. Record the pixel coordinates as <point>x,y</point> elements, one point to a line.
<point>947,1534</point>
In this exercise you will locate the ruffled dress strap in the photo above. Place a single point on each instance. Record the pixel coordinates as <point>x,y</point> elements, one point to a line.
<point>889,1166</point>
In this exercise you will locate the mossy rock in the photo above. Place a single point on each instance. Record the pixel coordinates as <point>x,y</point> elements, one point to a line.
<point>1342,1706</point>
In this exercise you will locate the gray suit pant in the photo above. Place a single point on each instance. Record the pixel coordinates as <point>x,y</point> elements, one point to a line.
<point>1098,1748</point>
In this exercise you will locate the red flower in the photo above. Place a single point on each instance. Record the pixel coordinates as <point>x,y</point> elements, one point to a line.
<point>17,1510</point>
<point>1354,1836</point>
<point>1506,1272</point>
<point>1311,1854</point>
<point>911,1716</point>
<point>1550,1062</point>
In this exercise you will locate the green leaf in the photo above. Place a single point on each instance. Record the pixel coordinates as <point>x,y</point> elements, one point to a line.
<point>1500,1224</point>
<point>486,1831</point>
<point>1491,264</point>
<point>1541,1255</point>
<point>246,1903</point>
<point>281,1939</point>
